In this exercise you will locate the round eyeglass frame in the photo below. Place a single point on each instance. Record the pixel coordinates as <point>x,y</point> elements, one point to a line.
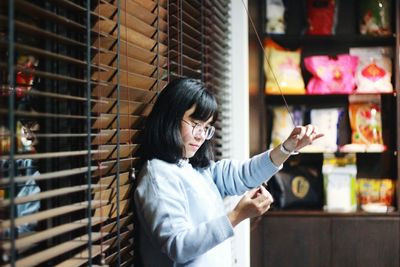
<point>198,129</point>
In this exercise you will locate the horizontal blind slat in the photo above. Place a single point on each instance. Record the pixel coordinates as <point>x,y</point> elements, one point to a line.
<point>47,214</point>
<point>50,175</point>
<point>123,237</point>
<point>37,237</point>
<point>108,43</point>
<point>148,5</point>
<point>82,257</point>
<point>111,210</point>
<point>58,250</point>
<point>109,136</point>
<point>44,74</point>
<point>129,20</point>
<point>126,92</point>
<point>110,27</point>
<point>109,167</point>
<point>109,105</point>
<point>43,13</point>
<point>123,251</point>
<point>44,53</point>
<point>32,29</point>
<point>111,181</point>
<point>112,227</point>
<point>48,194</point>
<point>53,154</point>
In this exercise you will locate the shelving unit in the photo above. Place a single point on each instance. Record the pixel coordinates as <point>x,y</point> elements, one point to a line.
<point>315,237</point>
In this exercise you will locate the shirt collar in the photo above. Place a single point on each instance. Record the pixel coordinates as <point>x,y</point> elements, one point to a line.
<point>183,162</point>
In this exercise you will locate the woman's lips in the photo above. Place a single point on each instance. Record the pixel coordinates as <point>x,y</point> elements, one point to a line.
<point>194,146</point>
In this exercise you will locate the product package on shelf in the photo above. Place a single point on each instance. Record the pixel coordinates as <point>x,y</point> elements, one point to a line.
<point>282,70</point>
<point>327,121</point>
<point>26,138</point>
<point>340,183</point>
<point>375,17</point>
<point>374,71</point>
<point>375,195</point>
<point>282,124</point>
<point>25,142</point>
<point>26,65</point>
<point>5,141</point>
<point>366,124</point>
<point>297,187</point>
<point>321,17</point>
<point>22,167</point>
<point>331,75</point>
<point>275,12</point>
<point>24,76</point>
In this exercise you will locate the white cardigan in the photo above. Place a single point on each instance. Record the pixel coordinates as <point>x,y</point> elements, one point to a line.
<point>181,212</point>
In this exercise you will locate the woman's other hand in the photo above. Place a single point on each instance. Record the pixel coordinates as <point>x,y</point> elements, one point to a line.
<point>254,203</point>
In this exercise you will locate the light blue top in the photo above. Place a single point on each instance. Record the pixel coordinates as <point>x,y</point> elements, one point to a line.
<point>181,211</point>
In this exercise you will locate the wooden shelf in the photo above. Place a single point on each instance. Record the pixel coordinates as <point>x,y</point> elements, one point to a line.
<point>321,213</point>
<point>343,39</point>
<point>329,95</point>
<point>325,100</point>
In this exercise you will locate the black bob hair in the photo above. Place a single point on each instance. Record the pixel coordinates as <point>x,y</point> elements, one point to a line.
<point>162,138</point>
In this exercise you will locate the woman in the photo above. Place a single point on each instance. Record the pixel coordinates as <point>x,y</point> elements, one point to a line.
<point>179,197</point>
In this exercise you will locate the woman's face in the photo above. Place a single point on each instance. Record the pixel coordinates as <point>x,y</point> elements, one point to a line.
<point>192,142</point>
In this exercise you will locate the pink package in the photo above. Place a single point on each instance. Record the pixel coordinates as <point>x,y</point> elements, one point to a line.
<point>331,75</point>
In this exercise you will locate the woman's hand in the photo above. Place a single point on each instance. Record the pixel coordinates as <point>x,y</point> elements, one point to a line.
<point>254,203</point>
<point>300,137</point>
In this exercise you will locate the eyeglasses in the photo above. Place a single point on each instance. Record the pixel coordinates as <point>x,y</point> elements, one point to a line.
<point>199,130</point>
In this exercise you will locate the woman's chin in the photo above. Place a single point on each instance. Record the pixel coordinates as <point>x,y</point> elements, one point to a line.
<point>190,154</point>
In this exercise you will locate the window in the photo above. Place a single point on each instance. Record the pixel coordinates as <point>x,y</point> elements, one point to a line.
<point>78,79</point>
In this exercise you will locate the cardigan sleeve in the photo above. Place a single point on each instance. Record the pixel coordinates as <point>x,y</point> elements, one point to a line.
<point>236,177</point>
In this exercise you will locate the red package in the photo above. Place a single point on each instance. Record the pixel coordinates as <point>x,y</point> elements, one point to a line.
<point>321,17</point>
<point>24,77</point>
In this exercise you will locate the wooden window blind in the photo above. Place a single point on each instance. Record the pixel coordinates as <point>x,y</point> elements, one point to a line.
<point>216,67</point>
<point>198,41</point>
<point>78,79</point>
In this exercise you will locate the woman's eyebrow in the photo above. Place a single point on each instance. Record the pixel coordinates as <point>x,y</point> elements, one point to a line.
<point>204,122</point>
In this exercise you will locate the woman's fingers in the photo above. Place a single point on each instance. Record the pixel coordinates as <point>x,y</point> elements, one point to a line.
<point>296,135</point>
<point>253,193</point>
<point>306,135</point>
<point>301,131</point>
<point>255,203</point>
<point>267,194</point>
<point>263,201</point>
<point>309,130</point>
